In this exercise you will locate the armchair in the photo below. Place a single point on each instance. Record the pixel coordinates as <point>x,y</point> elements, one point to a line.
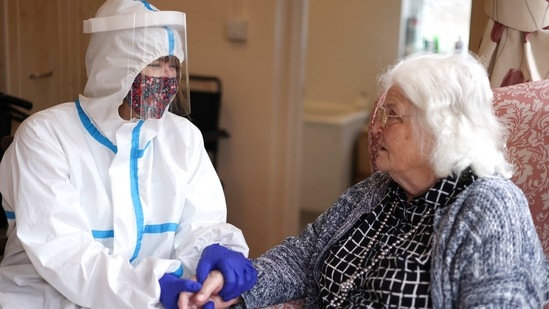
<point>524,110</point>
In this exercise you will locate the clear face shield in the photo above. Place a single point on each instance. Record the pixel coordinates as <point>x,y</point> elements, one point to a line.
<point>163,83</point>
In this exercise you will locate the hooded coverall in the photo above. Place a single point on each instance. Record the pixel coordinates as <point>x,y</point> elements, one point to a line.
<point>100,207</point>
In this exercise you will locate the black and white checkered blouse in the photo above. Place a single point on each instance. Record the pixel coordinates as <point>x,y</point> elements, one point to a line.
<point>401,278</point>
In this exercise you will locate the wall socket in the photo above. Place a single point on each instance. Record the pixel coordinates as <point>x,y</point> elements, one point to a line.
<point>236,30</point>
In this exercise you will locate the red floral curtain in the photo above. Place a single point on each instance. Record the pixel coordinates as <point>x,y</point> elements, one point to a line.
<point>515,45</point>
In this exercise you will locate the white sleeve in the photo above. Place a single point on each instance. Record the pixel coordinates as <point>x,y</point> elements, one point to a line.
<point>56,236</point>
<point>203,220</point>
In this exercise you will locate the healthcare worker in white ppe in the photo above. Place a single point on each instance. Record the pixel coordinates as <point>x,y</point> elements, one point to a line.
<point>112,200</point>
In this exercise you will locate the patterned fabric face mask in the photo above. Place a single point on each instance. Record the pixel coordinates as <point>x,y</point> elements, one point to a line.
<point>150,96</point>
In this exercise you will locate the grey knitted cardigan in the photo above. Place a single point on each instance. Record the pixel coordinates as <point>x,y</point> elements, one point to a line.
<point>485,254</point>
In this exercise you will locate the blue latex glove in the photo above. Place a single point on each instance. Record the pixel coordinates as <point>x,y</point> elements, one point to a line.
<point>239,274</point>
<point>209,305</point>
<point>171,286</point>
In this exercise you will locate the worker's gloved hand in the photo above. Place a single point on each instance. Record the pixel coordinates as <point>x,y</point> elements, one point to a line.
<point>209,305</point>
<point>171,286</point>
<point>239,274</point>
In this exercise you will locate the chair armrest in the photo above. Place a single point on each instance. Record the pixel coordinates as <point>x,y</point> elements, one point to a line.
<point>212,136</point>
<point>6,141</point>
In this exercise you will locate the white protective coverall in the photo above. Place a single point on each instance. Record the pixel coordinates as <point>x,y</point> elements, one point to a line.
<point>99,207</point>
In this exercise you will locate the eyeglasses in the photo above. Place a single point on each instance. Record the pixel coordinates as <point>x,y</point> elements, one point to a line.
<point>384,117</point>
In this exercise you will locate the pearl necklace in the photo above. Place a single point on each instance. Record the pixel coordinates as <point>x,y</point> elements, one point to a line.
<point>346,286</point>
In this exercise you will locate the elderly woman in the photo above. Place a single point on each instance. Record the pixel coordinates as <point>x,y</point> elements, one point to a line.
<point>440,225</point>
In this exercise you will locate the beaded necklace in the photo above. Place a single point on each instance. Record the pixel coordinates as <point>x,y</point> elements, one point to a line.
<point>347,285</point>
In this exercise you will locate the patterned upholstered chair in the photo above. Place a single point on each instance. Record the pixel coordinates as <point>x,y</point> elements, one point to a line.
<point>524,109</point>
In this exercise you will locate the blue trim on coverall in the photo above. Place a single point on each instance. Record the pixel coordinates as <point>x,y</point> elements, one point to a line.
<point>86,121</point>
<point>135,155</point>
<point>149,229</point>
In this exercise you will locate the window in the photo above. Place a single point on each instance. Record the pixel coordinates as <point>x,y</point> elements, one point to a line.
<point>435,25</point>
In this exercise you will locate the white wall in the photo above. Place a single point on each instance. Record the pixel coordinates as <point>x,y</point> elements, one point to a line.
<point>258,163</point>
<point>349,43</point>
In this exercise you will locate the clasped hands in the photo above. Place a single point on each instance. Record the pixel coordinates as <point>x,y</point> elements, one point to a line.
<point>221,276</point>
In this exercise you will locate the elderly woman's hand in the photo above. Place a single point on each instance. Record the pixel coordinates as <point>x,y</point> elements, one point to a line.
<point>207,297</point>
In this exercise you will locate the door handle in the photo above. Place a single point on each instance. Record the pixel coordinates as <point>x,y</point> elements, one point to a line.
<point>40,75</point>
